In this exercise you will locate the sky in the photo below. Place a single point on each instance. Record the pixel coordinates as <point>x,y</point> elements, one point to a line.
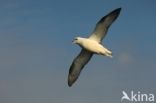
<point>36,50</point>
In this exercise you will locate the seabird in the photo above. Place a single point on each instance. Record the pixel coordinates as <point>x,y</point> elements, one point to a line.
<point>92,45</point>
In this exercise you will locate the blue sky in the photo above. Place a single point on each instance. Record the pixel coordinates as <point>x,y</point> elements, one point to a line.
<point>36,50</point>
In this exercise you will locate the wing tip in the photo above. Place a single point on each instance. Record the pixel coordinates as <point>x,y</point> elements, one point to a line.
<point>71,80</point>
<point>117,11</point>
<point>70,84</point>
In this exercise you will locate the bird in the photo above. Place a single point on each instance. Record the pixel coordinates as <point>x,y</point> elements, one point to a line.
<point>91,45</point>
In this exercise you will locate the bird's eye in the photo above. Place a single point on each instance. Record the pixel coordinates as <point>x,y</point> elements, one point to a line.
<point>76,39</point>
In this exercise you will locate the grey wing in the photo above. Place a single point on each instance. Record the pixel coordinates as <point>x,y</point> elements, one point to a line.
<point>79,62</point>
<point>102,26</point>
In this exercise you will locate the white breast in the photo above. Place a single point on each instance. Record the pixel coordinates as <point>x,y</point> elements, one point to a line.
<point>92,46</point>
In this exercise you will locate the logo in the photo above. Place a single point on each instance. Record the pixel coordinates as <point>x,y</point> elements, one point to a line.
<point>137,97</point>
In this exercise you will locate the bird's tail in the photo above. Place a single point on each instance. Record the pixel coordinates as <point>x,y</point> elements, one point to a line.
<point>107,53</point>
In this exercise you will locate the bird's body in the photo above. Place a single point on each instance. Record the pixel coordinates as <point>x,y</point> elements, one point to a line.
<point>94,46</point>
<point>91,45</point>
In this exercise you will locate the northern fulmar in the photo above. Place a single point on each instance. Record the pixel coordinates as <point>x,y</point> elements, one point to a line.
<point>91,45</point>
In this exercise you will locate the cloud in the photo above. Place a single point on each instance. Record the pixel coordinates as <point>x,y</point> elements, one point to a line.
<point>125,58</point>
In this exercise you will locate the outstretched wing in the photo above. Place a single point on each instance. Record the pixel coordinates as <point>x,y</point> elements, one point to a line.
<point>79,62</point>
<point>102,26</point>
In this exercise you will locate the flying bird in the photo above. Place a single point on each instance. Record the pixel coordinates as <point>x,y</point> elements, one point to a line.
<point>91,45</point>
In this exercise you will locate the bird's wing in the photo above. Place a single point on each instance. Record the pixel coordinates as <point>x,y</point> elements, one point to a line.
<point>79,62</point>
<point>102,26</point>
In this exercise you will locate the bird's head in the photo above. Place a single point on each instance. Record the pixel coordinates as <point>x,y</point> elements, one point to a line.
<point>76,40</point>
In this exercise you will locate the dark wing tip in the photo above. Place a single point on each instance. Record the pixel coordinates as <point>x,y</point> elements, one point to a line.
<point>71,79</point>
<point>69,84</point>
<point>116,11</point>
<point>111,16</point>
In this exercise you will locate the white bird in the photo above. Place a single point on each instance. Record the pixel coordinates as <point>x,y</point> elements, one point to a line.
<point>91,45</point>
